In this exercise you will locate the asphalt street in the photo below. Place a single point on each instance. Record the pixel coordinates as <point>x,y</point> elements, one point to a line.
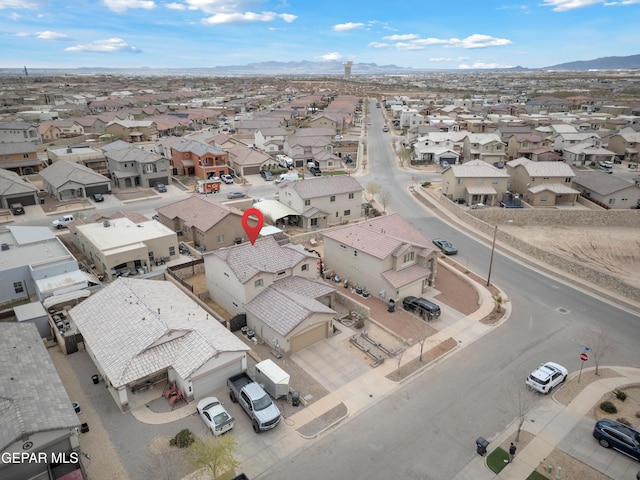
<point>427,429</point>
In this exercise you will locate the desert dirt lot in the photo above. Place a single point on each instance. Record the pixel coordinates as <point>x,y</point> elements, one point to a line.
<point>611,250</point>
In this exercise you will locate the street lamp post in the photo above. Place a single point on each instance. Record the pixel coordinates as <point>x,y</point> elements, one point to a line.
<point>493,249</point>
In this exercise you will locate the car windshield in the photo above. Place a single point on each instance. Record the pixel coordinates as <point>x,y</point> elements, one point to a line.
<point>220,418</point>
<point>262,403</point>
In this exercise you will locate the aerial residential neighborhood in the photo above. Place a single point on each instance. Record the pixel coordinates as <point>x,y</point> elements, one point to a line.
<point>414,246</point>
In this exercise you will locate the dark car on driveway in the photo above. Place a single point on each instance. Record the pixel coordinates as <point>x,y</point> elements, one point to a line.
<point>97,197</point>
<point>616,435</point>
<point>445,245</point>
<point>161,187</point>
<point>423,307</point>
<point>16,208</point>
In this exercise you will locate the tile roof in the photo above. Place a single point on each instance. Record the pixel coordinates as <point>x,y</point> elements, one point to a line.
<point>265,255</point>
<point>381,236</point>
<point>557,188</point>
<point>32,396</point>
<point>138,327</point>
<point>602,183</point>
<point>63,171</point>
<point>476,169</point>
<point>543,169</point>
<point>12,183</point>
<point>132,154</point>
<point>17,147</point>
<point>199,148</point>
<point>406,276</point>
<point>323,186</point>
<point>293,306</point>
<point>201,212</point>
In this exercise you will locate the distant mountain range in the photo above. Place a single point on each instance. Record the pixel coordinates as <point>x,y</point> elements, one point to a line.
<point>307,68</point>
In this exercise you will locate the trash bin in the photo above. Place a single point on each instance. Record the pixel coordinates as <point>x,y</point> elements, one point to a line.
<point>84,428</point>
<point>295,399</point>
<point>76,407</point>
<point>42,201</point>
<point>481,446</point>
<point>391,306</point>
<point>96,379</point>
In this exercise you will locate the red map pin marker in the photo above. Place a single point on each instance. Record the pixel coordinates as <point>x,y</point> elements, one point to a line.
<point>252,231</point>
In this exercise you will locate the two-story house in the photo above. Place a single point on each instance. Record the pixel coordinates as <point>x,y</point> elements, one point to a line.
<point>309,148</point>
<point>528,145</point>
<point>205,222</point>
<point>474,182</point>
<point>20,157</point>
<point>278,289</point>
<point>132,130</point>
<point>566,140</point>
<point>15,131</point>
<point>131,166</point>
<point>323,201</point>
<point>194,158</point>
<point>484,146</point>
<point>589,152</point>
<point>542,183</point>
<point>625,144</point>
<point>386,254</point>
<point>270,139</point>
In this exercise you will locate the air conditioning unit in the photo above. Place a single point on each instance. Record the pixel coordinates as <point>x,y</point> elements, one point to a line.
<point>4,246</point>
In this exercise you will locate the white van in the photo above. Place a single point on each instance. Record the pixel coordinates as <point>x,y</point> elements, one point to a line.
<point>289,177</point>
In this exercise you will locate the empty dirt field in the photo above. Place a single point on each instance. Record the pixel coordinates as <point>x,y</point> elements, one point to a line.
<point>611,250</point>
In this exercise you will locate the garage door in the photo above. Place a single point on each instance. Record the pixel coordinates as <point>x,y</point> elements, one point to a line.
<point>97,189</point>
<point>251,170</point>
<point>154,181</point>
<point>308,338</point>
<point>24,200</point>
<point>214,379</point>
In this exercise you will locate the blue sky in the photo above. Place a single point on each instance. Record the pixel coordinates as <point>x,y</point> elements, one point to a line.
<point>208,33</point>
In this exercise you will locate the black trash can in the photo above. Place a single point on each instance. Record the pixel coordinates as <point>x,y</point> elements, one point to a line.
<point>481,446</point>
<point>42,201</point>
<point>295,399</point>
<point>84,427</point>
<point>391,306</point>
<point>76,407</point>
<point>96,379</point>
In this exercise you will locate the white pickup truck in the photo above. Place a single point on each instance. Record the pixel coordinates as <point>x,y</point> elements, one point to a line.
<point>62,222</point>
<point>264,414</point>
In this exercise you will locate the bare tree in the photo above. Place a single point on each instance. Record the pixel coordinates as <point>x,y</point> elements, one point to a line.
<point>384,198</point>
<point>600,342</point>
<point>215,455</point>
<point>518,399</point>
<point>166,465</point>
<point>422,331</point>
<point>372,188</point>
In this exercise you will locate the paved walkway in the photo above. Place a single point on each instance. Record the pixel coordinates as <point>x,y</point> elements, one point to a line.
<point>554,422</point>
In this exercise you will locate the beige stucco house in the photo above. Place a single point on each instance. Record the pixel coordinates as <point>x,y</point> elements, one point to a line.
<point>475,182</point>
<point>323,201</point>
<point>487,147</point>
<point>542,183</point>
<point>386,254</point>
<point>626,144</point>
<point>203,220</point>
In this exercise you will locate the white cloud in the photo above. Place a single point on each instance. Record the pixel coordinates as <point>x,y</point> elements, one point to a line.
<point>47,35</point>
<point>176,6</point>
<point>247,17</point>
<point>331,56</point>
<point>483,65</point>
<point>20,4</point>
<point>565,5</point>
<point>408,46</point>
<point>343,27</point>
<point>430,41</point>
<point>478,41</point>
<point>111,45</point>
<point>447,59</point>
<point>396,38</point>
<point>378,45</point>
<point>123,5</point>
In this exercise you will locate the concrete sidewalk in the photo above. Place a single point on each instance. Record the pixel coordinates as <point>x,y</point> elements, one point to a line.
<point>554,422</point>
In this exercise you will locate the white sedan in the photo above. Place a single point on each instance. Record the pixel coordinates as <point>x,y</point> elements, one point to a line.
<point>215,415</point>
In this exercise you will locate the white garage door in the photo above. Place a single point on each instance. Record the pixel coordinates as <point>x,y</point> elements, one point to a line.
<point>214,379</point>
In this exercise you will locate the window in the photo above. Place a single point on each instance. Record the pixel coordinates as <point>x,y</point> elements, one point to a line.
<point>355,253</point>
<point>408,257</point>
<point>347,213</point>
<point>332,198</point>
<point>544,198</point>
<point>149,168</point>
<point>258,283</point>
<point>25,155</point>
<point>351,196</point>
<point>281,273</point>
<point>307,203</point>
<point>459,182</point>
<point>305,267</point>
<point>172,251</point>
<point>151,256</point>
<point>18,287</point>
<point>314,222</point>
<point>612,201</point>
<point>220,238</point>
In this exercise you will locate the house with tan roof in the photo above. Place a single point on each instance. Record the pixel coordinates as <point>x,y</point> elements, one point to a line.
<point>474,182</point>
<point>203,220</point>
<point>625,144</point>
<point>484,146</point>
<point>20,157</point>
<point>323,201</point>
<point>607,190</point>
<point>66,180</point>
<point>528,145</point>
<point>199,159</point>
<point>542,184</point>
<point>131,166</point>
<point>133,130</point>
<point>147,331</point>
<point>589,152</point>
<point>307,148</point>
<point>386,254</point>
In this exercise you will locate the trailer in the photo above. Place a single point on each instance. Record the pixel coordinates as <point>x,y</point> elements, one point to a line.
<point>208,186</point>
<point>272,378</point>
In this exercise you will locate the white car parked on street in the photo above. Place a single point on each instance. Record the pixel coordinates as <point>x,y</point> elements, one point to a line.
<point>547,376</point>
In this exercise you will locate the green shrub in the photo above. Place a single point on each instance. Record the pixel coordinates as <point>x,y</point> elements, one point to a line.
<point>426,184</point>
<point>620,395</point>
<point>183,439</point>
<point>608,407</point>
<point>624,421</point>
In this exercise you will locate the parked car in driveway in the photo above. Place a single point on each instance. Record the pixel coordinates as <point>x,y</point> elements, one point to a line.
<point>616,435</point>
<point>267,175</point>
<point>548,375</point>
<point>215,415</point>
<point>16,208</point>
<point>423,307</point>
<point>161,187</point>
<point>97,197</point>
<point>235,195</point>
<point>226,178</point>
<point>445,245</point>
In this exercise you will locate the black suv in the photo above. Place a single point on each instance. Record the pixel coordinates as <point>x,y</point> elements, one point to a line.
<point>16,208</point>
<point>618,436</point>
<point>423,307</point>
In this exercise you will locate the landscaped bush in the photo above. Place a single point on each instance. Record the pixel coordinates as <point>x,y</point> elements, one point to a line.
<point>183,439</point>
<point>624,420</point>
<point>608,407</point>
<point>638,414</point>
<point>620,395</point>
<point>426,184</point>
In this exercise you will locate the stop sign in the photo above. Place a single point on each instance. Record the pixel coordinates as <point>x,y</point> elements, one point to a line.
<point>584,357</point>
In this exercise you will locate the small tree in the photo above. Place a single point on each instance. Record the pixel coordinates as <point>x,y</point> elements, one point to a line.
<point>215,455</point>
<point>372,188</point>
<point>517,399</point>
<point>384,198</point>
<point>600,342</point>
<point>498,301</point>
